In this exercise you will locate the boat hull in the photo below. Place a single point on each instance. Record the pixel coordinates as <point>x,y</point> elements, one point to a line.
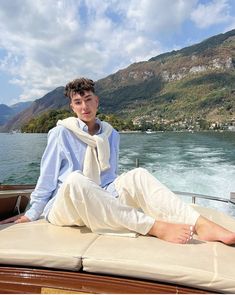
<point>20,280</point>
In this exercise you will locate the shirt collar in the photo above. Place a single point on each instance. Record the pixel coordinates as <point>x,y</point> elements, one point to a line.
<point>84,126</point>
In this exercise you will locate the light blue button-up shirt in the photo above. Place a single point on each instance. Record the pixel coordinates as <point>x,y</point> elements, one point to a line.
<point>64,154</point>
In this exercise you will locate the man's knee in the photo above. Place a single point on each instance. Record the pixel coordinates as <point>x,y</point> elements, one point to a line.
<point>139,171</point>
<point>73,177</point>
<point>76,178</point>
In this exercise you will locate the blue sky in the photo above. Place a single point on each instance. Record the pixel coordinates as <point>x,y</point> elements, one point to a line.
<point>46,43</point>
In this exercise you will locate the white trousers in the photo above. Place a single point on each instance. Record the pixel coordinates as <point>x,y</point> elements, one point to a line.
<point>142,200</point>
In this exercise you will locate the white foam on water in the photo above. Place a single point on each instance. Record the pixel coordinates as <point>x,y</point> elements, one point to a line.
<point>217,180</point>
<point>199,163</point>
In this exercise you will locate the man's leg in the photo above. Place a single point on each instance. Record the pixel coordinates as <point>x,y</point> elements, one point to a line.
<point>175,220</point>
<point>138,188</point>
<point>82,202</point>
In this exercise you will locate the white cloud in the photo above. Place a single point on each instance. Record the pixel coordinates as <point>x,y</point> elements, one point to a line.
<point>231,25</point>
<point>214,12</point>
<point>49,42</point>
<point>159,17</point>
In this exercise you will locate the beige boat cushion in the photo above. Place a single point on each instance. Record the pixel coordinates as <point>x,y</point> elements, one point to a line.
<point>207,265</point>
<point>39,243</point>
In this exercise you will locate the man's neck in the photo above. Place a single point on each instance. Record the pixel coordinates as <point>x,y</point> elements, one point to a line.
<point>93,127</point>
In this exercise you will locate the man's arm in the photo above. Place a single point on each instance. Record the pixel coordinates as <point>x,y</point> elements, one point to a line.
<point>48,179</point>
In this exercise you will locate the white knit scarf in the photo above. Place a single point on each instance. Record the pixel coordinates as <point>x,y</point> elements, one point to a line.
<point>97,153</point>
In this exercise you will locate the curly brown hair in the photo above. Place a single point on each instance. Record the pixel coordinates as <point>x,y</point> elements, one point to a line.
<point>79,86</point>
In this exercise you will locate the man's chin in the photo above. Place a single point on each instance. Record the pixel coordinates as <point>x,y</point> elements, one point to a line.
<point>87,119</point>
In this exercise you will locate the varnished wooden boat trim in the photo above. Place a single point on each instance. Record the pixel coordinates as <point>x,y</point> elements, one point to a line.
<point>16,186</point>
<point>20,280</point>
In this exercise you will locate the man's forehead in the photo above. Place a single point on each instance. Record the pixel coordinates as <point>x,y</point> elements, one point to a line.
<point>76,95</point>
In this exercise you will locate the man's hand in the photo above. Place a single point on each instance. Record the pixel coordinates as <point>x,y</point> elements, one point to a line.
<point>22,219</point>
<point>17,219</point>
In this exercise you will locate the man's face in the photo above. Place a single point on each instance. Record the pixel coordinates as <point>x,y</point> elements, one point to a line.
<point>85,106</point>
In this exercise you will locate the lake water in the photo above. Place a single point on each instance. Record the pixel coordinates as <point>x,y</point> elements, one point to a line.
<point>202,162</point>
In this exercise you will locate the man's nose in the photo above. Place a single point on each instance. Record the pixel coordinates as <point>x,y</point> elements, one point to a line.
<point>84,104</point>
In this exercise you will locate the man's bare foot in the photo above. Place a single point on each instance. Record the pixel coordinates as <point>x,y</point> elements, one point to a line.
<point>171,232</point>
<point>210,231</point>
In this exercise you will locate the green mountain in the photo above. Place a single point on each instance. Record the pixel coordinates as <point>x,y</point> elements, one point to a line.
<point>20,106</point>
<point>194,83</point>
<point>7,112</point>
<point>54,100</point>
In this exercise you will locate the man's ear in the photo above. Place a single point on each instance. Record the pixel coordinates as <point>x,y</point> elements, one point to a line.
<point>71,107</point>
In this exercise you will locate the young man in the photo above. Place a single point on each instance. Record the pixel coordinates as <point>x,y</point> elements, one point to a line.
<point>78,183</point>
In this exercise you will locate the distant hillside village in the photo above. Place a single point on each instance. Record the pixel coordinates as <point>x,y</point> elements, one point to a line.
<point>191,124</point>
<point>45,122</point>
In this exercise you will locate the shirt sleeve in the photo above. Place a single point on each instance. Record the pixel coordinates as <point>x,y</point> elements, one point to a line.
<point>49,171</point>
